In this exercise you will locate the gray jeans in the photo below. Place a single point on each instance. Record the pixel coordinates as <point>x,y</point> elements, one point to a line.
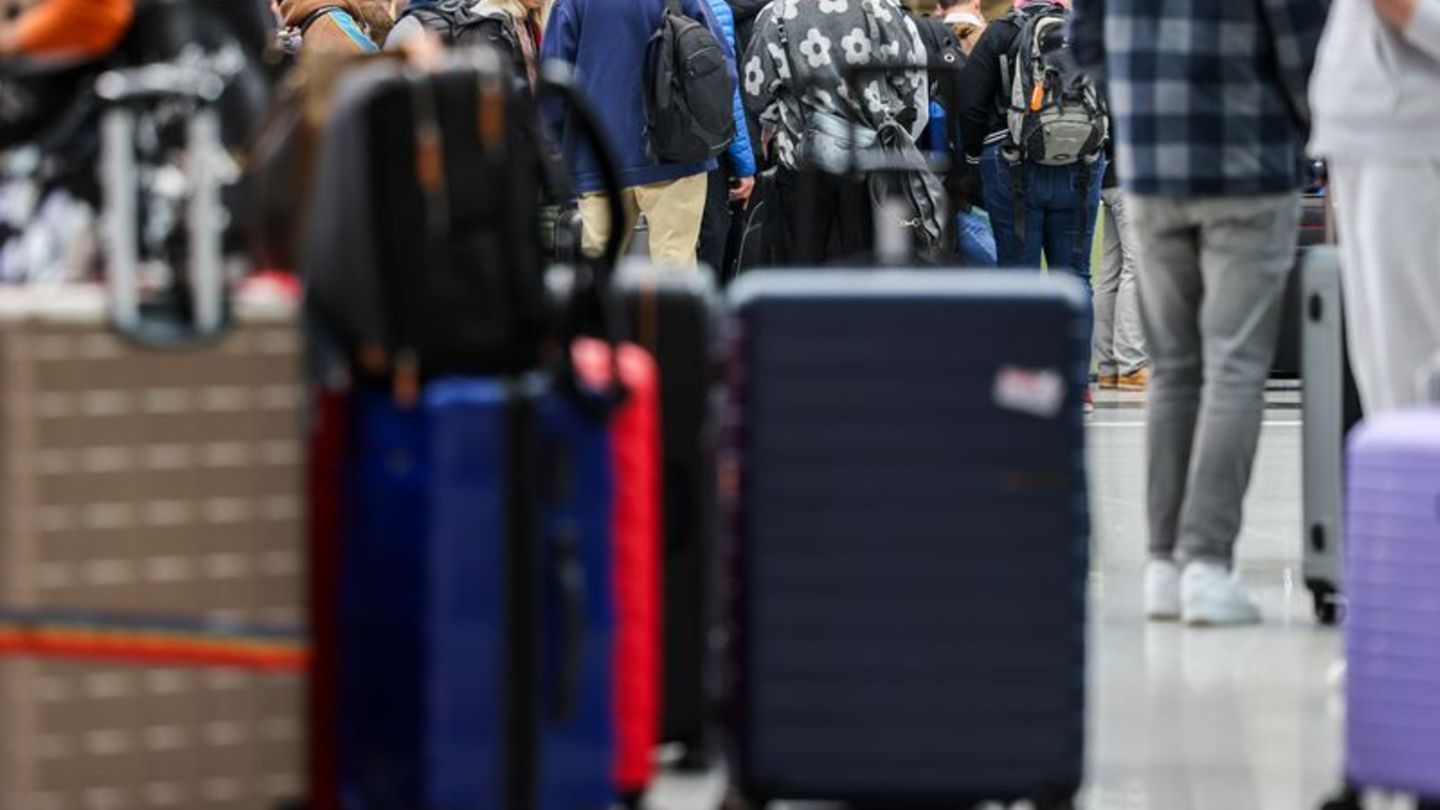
<point>1119,341</point>
<point>1212,278</point>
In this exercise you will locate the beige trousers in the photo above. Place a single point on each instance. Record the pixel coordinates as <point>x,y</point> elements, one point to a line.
<point>672,210</point>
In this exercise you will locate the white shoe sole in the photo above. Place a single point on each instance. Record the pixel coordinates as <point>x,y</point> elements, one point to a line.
<point>1225,621</point>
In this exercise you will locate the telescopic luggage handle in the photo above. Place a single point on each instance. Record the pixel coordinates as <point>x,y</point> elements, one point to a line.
<point>196,312</point>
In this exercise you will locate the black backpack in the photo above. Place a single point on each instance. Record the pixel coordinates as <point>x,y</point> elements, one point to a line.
<point>689,115</point>
<point>455,21</point>
<point>449,281</point>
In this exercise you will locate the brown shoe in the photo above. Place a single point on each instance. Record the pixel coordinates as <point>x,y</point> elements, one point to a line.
<point>1109,382</point>
<point>1138,381</point>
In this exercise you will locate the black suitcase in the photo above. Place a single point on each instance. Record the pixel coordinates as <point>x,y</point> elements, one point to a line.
<point>910,537</point>
<point>673,314</point>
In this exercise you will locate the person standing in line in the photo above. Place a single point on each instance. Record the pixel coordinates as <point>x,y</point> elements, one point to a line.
<point>795,86</point>
<point>327,26</point>
<point>965,19</point>
<point>513,27</point>
<point>1213,164</point>
<point>1376,96</point>
<point>1119,338</point>
<point>1039,204</point>
<point>745,13</point>
<point>734,179</point>
<point>607,41</point>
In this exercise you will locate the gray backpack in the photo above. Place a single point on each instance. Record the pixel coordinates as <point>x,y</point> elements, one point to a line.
<point>1056,116</point>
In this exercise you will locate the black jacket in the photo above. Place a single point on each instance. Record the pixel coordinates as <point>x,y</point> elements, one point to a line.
<point>745,13</point>
<point>942,46</point>
<point>983,96</point>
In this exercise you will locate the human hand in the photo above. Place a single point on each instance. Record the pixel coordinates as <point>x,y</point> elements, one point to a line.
<point>1398,13</point>
<point>741,190</point>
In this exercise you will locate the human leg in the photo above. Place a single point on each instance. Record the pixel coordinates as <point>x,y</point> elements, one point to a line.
<point>1170,295</point>
<point>1129,338</point>
<point>674,210</point>
<point>1390,249</point>
<point>715,223</point>
<point>1107,290</point>
<point>595,220</point>
<point>1247,254</point>
<point>997,179</point>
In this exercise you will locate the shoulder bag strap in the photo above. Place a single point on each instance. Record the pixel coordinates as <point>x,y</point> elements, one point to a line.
<point>314,17</point>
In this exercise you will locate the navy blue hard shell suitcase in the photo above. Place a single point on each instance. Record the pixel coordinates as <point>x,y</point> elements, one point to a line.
<point>478,635</point>
<point>910,535</point>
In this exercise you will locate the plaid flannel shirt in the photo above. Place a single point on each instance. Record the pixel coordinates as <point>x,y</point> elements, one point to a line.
<point>1208,96</point>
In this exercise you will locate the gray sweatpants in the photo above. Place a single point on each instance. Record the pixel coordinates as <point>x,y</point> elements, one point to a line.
<point>1212,276</point>
<point>1119,341</point>
<point>1390,247</point>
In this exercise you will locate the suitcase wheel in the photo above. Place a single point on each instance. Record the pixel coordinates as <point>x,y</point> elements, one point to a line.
<point>1326,601</point>
<point>695,758</point>
<point>1347,799</point>
<point>735,799</point>
<point>1053,801</point>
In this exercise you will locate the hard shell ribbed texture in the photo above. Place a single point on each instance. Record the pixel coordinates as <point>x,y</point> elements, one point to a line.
<point>1393,625</point>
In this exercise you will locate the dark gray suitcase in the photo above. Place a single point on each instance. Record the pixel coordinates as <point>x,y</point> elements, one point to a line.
<point>1330,407</point>
<point>910,537</point>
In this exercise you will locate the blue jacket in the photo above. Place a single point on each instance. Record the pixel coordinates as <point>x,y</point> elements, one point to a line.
<point>742,158</point>
<point>607,42</point>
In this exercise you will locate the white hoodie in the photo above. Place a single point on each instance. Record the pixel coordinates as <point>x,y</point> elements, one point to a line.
<point>1375,93</point>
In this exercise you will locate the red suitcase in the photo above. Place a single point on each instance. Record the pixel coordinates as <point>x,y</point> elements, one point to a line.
<point>637,558</point>
<point>329,425</point>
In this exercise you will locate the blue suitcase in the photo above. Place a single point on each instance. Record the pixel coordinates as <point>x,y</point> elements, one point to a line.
<point>478,635</point>
<point>910,537</point>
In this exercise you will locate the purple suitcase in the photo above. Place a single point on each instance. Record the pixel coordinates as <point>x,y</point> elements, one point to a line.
<point>1392,629</point>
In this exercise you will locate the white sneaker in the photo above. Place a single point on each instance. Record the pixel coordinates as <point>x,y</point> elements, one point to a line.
<point>1210,596</point>
<point>1162,591</point>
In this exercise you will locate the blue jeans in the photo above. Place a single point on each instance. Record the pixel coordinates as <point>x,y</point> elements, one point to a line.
<point>976,238</point>
<point>1058,223</point>
<point>1055,224</point>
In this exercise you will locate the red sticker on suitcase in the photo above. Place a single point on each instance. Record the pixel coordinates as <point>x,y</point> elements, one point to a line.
<point>1034,392</point>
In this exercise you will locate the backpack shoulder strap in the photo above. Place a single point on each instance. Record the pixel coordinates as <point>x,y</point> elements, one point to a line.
<point>313,17</point>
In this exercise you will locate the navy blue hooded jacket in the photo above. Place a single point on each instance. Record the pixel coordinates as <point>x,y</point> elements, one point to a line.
<point>607,42</point>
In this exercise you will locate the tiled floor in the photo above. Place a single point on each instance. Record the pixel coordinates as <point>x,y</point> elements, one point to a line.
<point>1191,719</point>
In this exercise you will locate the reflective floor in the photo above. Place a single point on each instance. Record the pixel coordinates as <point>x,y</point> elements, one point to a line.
<point>1191,719</point>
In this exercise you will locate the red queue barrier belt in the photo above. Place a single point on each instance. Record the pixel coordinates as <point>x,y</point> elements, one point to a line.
<point>117,642</point>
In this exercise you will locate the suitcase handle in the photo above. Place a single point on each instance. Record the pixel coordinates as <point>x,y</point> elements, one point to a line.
<point>570,576</point>
<point>557,79</point>
<point>195,308</point>
<point>592,301</point>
